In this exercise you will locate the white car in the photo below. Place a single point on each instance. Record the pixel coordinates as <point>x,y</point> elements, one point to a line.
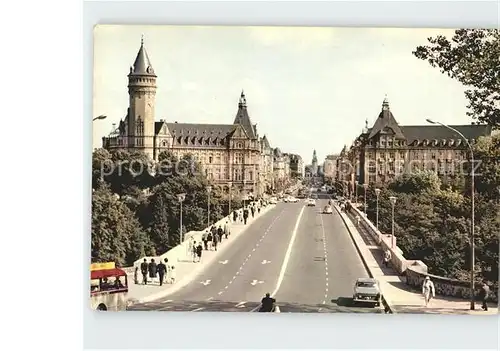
<point>311,202</point>
<point>327,210</point>
<point>273,200</point>
<point>291,199</point>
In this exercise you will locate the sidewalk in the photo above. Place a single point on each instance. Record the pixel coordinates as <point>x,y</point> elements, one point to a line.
<point>399,296</point>
<point>186,269</point>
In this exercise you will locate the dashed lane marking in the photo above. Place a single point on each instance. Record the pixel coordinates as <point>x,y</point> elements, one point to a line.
<point>198,309</point>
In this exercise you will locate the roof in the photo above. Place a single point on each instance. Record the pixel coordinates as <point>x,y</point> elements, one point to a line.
<point>367,280</point>
<point>265,142</point>
<point>243,118</point>
<point>106,273</point>
<point>142,64</point>
<point>437,132</point>
<point>386,120</point>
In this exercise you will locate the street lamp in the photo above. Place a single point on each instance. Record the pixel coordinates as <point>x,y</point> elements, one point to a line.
<point>392,199</point>
<point>181,198</point>
<point>99,117</point>
<point>229,185</point>
<point>377,192</point>
<point>365,186</point>
<point>209,190</point>
<point>356,192</point>
<point>472,245</point>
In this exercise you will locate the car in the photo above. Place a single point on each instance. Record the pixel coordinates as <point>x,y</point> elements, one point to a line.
<point>273,200</point>
<point>328,210</point>
<point>292,199</point>
<point>367,290</point>
<point>311,202</point>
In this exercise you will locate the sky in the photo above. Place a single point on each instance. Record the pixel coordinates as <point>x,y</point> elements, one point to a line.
<point>307,88</point>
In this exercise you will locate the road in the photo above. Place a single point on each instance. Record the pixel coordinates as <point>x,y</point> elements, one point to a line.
<point>318,274</point>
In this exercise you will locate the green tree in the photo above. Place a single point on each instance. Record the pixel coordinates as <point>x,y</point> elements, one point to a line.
<point>114,229</point>
<point>487,150</point>
<point>101,166</point>
<point>416,183</point>
<point>471,56</point>
<point>159,231</point>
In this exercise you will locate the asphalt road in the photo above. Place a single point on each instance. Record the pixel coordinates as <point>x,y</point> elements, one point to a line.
<point>321,268</point>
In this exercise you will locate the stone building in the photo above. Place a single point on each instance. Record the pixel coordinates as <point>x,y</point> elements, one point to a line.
<point>314,164</point>
<point>330,167</point>
<point>387,149</point>
<point>226,152</point>
<point>267,165</point>
<point>296,166</point>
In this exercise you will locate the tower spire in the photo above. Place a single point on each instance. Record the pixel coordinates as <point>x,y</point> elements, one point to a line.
<point>385,103</point>
<point>142,65</point>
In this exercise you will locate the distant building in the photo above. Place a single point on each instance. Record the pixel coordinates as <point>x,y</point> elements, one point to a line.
<point>227,152</point>
<point>314,165</point>
<point>330,167</point>
<point>387,149</point>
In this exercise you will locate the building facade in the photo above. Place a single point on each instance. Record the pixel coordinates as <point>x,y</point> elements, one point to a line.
<point>296,166</point>
<point>314,164</point>
<point>330,167</point>
<point>387,149</point>
<point>226,152</point>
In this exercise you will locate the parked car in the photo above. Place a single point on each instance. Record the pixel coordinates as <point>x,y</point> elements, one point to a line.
<point>273,200</point>
<point>367,290</point>
<point>327,210</point>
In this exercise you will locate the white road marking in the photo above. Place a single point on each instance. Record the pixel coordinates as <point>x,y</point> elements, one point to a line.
<point>206,282</point>
<point>167,301</point>
<point>224,262</point>
<point>288,253</point>
<point>220,292</point>
<point>165,308</point>
<point>253,249</point>
<point>198,309</point>
<point>210,298</point>
<point>225,287</point>
<point>326,258</point>
<point>255,282</point>
<point>265,262</point>
<point>241,303</point>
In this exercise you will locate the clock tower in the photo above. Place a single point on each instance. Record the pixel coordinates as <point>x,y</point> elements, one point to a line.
<point>141,112</point>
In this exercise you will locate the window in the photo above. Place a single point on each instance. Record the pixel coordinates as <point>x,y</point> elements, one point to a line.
<point>210,159</point>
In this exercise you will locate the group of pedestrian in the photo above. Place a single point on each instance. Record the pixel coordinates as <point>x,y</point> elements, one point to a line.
<point>429,292</point>
<point>164,272</point>
<point>251,209</point>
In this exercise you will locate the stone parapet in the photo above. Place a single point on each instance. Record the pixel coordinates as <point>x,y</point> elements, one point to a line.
<point>415,271</point>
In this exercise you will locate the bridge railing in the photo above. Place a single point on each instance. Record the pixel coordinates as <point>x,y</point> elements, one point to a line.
<point>415,271</point>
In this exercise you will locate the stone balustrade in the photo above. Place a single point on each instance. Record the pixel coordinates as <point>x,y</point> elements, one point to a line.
<point>415,271</point>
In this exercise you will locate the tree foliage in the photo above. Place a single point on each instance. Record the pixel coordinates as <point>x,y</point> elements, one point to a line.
<point>433,224</point>
<point>471,56</point>
<point>131,194</point>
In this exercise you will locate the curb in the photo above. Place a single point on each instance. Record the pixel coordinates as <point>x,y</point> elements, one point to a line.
<point>386,303</point>
<point>191,276</point>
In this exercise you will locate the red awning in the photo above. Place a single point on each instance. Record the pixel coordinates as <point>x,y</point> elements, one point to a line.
<point>106,273</point>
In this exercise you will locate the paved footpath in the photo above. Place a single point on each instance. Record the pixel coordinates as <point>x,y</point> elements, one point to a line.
<point>186,269</point>
<point>398,295</point>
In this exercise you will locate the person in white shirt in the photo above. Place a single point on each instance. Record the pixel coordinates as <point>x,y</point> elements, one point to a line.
<point>428,290</point>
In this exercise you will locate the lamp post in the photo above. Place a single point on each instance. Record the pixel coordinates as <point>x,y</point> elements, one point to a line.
<point>181,198</point>
<point>393,202</point>
<point>365,186</point>
<point>229,185</point>
<point>377,192</point>
<point>472,245</point>
<point>209,190</point>
<point>356,192</point>
<point>99,117</point>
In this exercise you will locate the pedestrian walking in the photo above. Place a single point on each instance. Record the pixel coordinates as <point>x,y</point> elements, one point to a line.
<point>152,269</point>
<point>387,257</point>
<point>235,216</point>
<point>173,274</point>
<point>245,216</point>
<point>136,275</point>
<point>204,238</point>
<point>252,209</point>
<point>215,241</point>
<point>161,269</point>
<point>428,290</point>
<point>484,294</point>
<point>210,240</point>
<point>193,251</point>
<point>199,251</point>
<point>189,248</point>
<point>144,271</point>
<point>227,229</point>
<point>167,270</point>
<point>220,233</point>
<point>240,216</point>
